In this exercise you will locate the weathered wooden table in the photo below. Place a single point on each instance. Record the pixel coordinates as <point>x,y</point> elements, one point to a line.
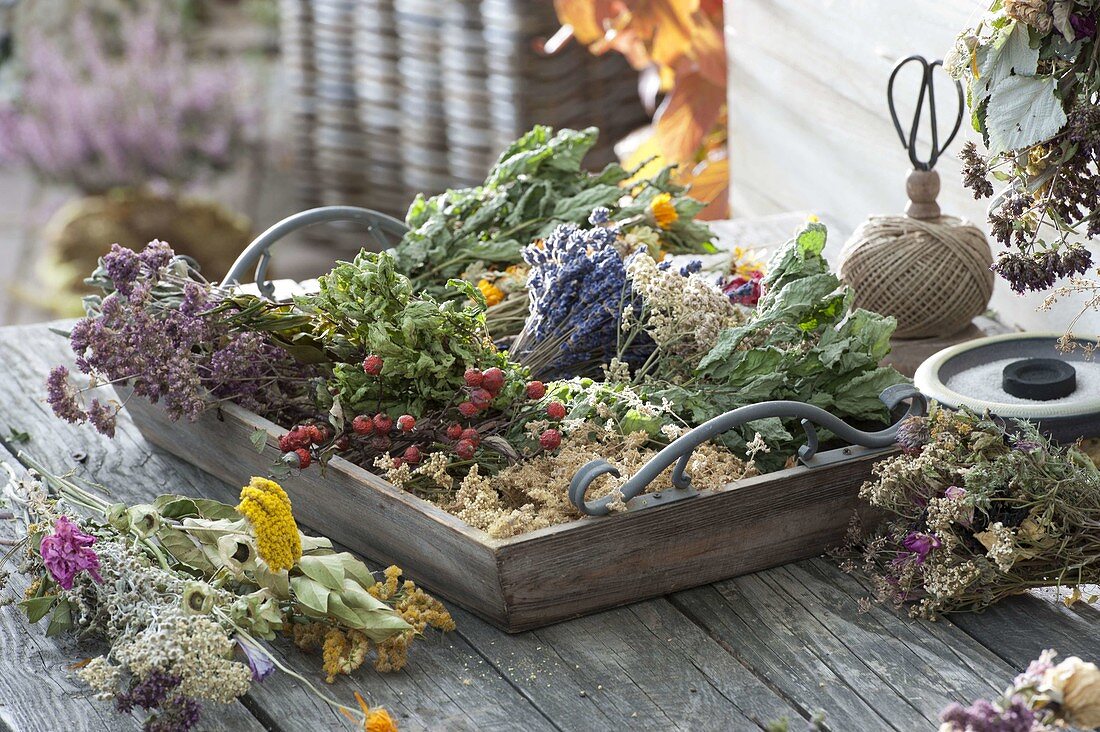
<point>790,641</point>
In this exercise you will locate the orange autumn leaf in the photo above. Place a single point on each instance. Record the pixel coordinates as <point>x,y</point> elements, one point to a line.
<point>681,44</point>
<point>688,114</point>
<point>585,17</point>
<point>710,182</point>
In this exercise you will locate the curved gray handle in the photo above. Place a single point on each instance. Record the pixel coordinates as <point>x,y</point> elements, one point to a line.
<point>377,224</point>
<point>682,448</point>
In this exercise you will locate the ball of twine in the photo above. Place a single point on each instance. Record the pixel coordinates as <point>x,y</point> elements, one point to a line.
<point>932,275</point>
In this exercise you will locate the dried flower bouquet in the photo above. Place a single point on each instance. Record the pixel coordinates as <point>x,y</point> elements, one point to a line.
<point>187,592</point>
<point>979,511</point>
<point>1047,696</point>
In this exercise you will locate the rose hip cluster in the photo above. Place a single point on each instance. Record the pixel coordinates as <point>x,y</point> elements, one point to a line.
<point>379,429</point>
<point>484,386</point>
<point>301,438</point>
<point>550,439</point>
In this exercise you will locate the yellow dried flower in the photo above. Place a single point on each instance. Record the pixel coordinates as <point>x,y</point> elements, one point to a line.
<point>308,636</point>
<point>267,507</point>
<point>493,294</point>
<point>343,653</point>
<point>664,212</point>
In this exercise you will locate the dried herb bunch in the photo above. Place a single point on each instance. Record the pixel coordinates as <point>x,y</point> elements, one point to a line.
<point>185,595</point>
<point>1033,74</point>
<point>980,511</point>
<point>1046,696</point>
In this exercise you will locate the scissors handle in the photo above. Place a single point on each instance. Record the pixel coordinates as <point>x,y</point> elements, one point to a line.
<point>927,89</point>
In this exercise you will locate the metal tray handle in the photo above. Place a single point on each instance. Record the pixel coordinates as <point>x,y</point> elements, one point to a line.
<point>382,229</point>
<point>681,449</point>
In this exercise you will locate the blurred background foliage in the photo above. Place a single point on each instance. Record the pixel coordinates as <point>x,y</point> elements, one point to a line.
<point>678,48</point>
<point>131,120</point>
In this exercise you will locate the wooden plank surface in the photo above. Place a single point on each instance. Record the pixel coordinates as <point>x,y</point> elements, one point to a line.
<point>732,656</point>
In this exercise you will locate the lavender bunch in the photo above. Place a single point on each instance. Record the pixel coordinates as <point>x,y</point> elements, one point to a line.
<point>102,117</point>
<point>169,337</point>
<point>579,295</point>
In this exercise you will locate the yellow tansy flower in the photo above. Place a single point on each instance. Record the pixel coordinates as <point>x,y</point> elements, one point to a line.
<point>493,294</point>
<point>266,506</point>
<point>664,213</point>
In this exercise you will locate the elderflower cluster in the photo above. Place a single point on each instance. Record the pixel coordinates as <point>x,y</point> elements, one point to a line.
<point>193,647</point>
<point>943,581</point>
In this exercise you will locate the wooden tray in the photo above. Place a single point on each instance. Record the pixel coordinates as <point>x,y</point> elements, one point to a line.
<point>549,575</point>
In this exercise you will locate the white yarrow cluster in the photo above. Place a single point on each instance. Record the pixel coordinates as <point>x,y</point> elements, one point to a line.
<point>684,314</point>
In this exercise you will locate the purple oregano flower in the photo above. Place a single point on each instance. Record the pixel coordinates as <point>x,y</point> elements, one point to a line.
<point>65,553</point>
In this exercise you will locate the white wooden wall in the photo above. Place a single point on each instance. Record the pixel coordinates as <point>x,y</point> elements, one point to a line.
<point>809,126</point>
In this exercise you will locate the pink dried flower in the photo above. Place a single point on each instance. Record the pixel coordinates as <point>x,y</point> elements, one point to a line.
<point>65,553</point>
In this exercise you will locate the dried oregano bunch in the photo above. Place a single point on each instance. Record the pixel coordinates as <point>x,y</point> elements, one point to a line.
<point>1032,78</point>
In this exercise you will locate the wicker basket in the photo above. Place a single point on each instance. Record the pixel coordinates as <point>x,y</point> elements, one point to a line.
<point>392,98</point>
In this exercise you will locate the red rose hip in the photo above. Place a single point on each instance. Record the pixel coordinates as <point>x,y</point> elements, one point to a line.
<point>383,423</point>
<point>454,432</point>
<point>468,409</point>
<point>555,410</point>
<point>304,458</point>
<point>362,425</point>
<point>473,377</point>
<point>480,398</point>
<point>406,422</point>
<point>493,380</point>
<point>412,455</point>
<point>465,449</point>
<point>372,365</point>
<point>550,439</point>
<point>536,390</point>
<point>471,435</point>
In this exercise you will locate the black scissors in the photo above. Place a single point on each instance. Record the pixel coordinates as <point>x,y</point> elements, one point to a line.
<point>926,88</point>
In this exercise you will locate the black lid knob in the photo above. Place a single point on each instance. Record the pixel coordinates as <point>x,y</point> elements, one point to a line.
<point>1040,379</point>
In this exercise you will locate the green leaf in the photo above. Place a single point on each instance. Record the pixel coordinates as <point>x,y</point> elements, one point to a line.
<point>17,436</point>
<point>355,595</point>
<point>184,549</point>
<point>310,595</point>
<point>259,439</point>
<point>346,615</point>
<point>37,607</point>
<point>61,619</point>
<point>1024,111</point>
<point>327,569</point>
<point>378,625</point>
<point>1009,54</point>
<point>355,569</point>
